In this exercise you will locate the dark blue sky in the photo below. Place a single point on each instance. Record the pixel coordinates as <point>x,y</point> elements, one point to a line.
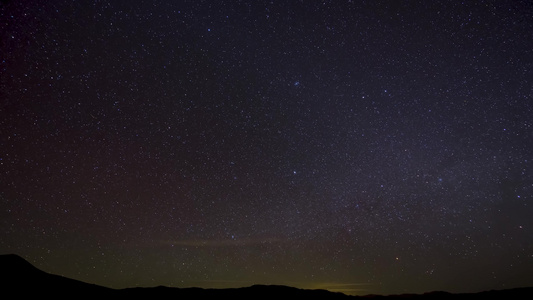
<point>358,146</point>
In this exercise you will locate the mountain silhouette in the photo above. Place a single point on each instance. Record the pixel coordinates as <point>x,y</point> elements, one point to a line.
<point>20,279</point>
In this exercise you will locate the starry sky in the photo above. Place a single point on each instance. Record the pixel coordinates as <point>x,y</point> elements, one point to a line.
<point>367,147</point>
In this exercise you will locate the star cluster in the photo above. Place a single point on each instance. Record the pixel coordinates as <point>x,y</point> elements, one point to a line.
<point>358,146</point>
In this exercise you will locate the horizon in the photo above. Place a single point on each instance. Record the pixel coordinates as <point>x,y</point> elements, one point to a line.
<point>342,288</point>
<point>381,146</point>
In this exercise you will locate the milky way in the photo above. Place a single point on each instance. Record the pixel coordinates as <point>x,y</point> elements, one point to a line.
<point>358,146</point>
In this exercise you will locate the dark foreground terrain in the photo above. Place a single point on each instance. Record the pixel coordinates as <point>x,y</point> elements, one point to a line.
<point>20,279</point>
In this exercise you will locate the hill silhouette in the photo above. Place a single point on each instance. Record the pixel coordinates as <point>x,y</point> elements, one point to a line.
<point>19,277</point>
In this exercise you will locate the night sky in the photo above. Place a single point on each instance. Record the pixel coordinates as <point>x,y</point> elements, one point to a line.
<point>368,147</point>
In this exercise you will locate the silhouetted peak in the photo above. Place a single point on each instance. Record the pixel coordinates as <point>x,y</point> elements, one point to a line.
<point>14,264</point>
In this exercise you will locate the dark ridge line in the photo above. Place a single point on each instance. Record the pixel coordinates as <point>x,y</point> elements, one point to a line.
<point>19,276</point>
